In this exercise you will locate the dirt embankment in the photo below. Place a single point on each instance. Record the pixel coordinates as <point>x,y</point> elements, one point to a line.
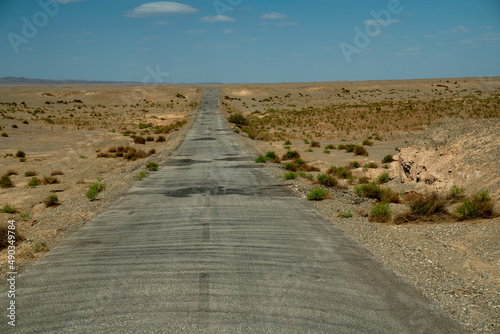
<point>460,152</point>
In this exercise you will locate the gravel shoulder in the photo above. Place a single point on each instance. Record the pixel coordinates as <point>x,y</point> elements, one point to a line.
<point>454,264</point>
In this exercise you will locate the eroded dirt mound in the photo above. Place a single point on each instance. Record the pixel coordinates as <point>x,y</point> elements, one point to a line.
<point>461,152</point>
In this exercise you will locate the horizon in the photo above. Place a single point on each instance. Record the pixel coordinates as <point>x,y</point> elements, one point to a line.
<point>193,42</point>
<point>134,83</point>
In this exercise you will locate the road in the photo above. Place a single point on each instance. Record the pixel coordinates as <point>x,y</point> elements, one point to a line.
<point>212,243</point>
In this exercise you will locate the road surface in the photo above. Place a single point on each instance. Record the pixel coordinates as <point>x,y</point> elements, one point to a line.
<point>212,243</point>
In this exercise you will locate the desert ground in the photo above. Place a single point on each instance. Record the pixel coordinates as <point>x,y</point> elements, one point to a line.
<point>57,141</point>
<point>440,133</point>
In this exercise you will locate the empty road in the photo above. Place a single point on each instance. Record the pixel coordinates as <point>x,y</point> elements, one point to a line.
<point>212,243</point>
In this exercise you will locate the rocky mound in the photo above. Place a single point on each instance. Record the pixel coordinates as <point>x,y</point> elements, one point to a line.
<point>461,152</point>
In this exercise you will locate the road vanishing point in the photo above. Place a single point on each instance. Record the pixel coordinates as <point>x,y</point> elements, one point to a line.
<point>213,243</point>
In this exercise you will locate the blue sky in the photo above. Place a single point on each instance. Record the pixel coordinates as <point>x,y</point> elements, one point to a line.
<point>243,41</point>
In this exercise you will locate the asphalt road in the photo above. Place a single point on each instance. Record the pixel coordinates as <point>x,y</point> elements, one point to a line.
<point>212,243</point>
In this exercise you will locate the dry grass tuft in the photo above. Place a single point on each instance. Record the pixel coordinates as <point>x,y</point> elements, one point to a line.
<point>429,207</point>
<point>4,236</point>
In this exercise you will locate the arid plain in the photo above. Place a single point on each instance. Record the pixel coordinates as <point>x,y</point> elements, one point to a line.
<point>60,140</point>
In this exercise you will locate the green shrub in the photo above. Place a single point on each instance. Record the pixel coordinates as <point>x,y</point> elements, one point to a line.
<point>95,189</point>
<point>50,180</point>
<point>327,180</point>
<point>384,178</point>
<point>363,180</point>
<point>360,150</point>
<point>160,139</point>
<point>152,166</point>
<point>380,212</point>
<point>288,142</point>
<point>310,150</point>
<point>457,191</point>
<point>290,176</point>
<point>24,215</point>
<point>373,190</point>
<point>427,204</point>
<point>52,200</point>
<point>4,134</point>
<point>479,205</point>
<point>260,159</point>
<point>317,194</point>
<point>366,142</point>
<point>141,175</point>
<point>354,164</point>
<point>238,119</point>
<point>340,172</point>
<point>330,147</point>
<point>39,246</point>
<point>388,159</point>
<point>315,143</point>
<point>346,214</point>
<point>291,155</point>
<point>20,154</point>
<point>6,182</point>
<point>149,138</point>
<point>271,155</point>
<point>290,166</point>
<point>8,209</point>
<point>34,182</point>
<point>305,176</point>
<point>371,164</point>
<point>140,140</point>
<point>326,151</point>
<point>306,141</point>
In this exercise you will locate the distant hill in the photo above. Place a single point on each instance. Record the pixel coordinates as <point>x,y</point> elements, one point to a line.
<point>20,81</point>
<point>38,82</point>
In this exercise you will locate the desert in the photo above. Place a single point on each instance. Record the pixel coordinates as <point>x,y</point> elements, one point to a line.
<point>414,137</point>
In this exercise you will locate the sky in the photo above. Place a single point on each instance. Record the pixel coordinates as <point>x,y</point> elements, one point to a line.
<point>249,41</point>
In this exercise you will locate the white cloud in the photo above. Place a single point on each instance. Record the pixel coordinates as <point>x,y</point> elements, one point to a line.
<point>274,16</point>
<point>286,24</point>
<point>228,31</point>
<point>429,36</point>
<point>199,31</point>
<point>411,51</point>
<point>162,23</point>
<point>160,8</point>
<point>217,18</point>
<point>223,46</point>
<point>486,38</point>
<point>380,22</point>
<point>279,24</point>
<point>458,29</point>
<point>486,27</point>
